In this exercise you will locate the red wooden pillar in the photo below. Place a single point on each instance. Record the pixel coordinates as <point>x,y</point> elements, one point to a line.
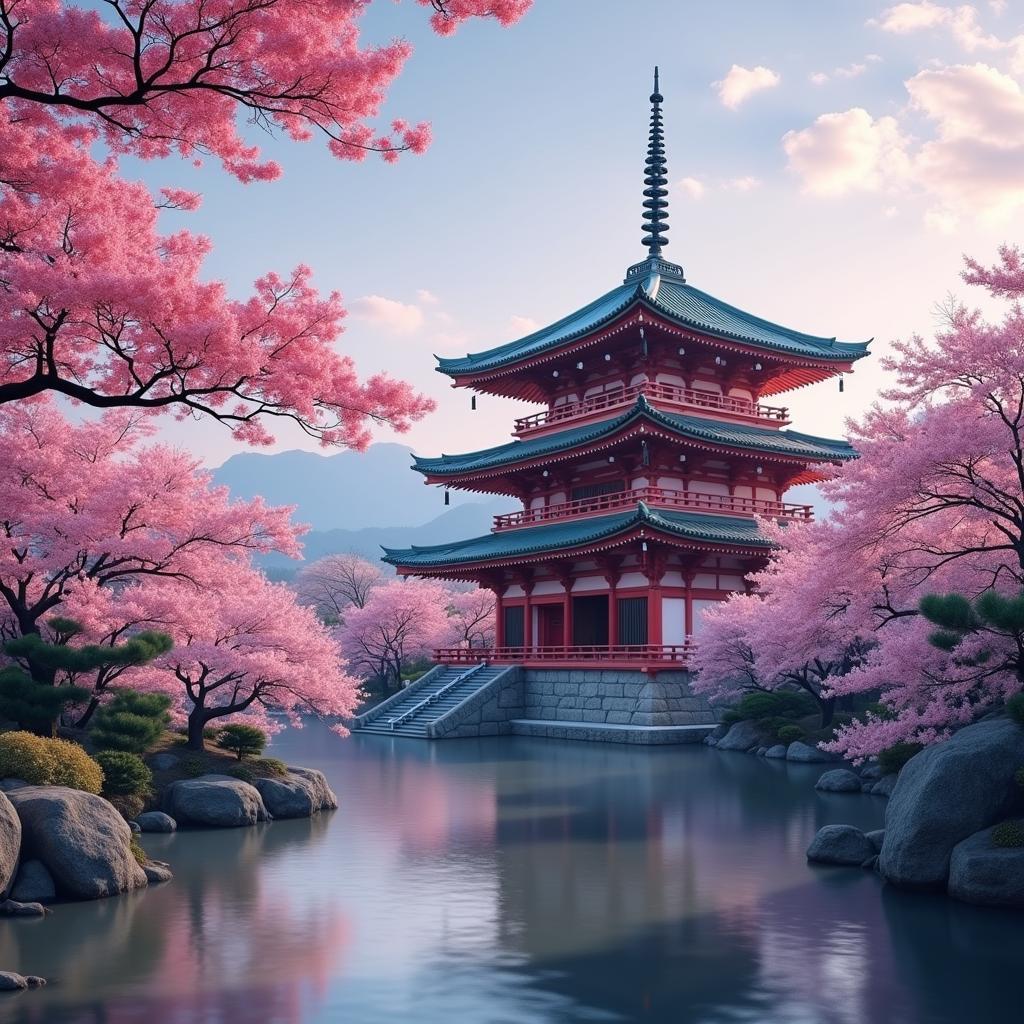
<point>528,617</point>
<point>613,614</point>
<point>688,578</point>
<point>567,614</point>
<point>499,615</point>
<point>654,570</point>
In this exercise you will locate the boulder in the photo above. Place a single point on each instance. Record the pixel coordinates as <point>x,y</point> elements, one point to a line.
<point>8,784</point>
<point>135,827</point>
<point>718,732</point>
<point>876,837</point>
<point>10,843</point>
<point>982,873</point>
<point>710,741</point>
<point>806,754</point>
<point>84,843</point>
<point>947,793</point>
<point>157,871</point>
<point>840,844</point>
<point>11,982</point>
<point>742,736</point>
<point>219,801</point>
<point>884,786</point>
<point>301,794</point>
<point>778,751</point>
<point>162,762</point>
<point>761,751</point>
<point>871,771</point>
<point>839,780</point>
<point>33,884</point>
<point>12,908</point>
<point>156,821</point>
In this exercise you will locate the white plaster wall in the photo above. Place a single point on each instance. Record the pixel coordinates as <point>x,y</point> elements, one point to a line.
<point>673,620</point>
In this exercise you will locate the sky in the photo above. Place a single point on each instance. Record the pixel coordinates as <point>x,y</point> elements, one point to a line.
<point>830,163</point>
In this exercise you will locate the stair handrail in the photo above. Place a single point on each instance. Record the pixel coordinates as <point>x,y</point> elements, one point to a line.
<point>434,696</point>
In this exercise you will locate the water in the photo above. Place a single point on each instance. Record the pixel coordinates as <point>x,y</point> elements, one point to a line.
<point>532,881</point>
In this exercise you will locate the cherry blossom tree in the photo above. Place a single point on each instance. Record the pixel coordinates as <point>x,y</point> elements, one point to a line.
<point>95,302</point>
<point>471,618</point>
<point>243,648</point>
<point>334,583</point>
<point>401,622</point>
<point>933,506</point>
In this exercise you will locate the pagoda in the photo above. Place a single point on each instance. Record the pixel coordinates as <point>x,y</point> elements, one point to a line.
<point>644,477</point>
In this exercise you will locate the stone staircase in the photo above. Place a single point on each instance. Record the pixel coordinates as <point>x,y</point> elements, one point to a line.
<point>410,715</point>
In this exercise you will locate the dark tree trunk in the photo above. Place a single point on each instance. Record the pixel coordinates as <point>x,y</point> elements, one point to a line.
<point>196,724</point>
<point>827,706</point>
<point>90,710</point>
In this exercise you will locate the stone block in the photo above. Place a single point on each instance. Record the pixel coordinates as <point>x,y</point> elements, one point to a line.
<point>589,689</point>
<point>488,729</point>
<point>618,704</point>
<point>618,717</point>
<point>611,689</point>
<point>592,704</point>
<point>649,718</point>
<point>653,704</point>
<point>593,716</point>
<point>549,701</point>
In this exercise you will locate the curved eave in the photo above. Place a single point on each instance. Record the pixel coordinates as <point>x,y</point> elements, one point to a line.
<point>580,442</point>
<point>532,350</point>
<point>536,544</point>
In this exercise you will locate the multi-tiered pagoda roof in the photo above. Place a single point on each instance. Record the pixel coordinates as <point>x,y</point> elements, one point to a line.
<point>647,474</point>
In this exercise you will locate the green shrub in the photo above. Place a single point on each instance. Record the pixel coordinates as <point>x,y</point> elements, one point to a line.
<point>1019,777</point>
<point>124,774</point>
<point>790,734</point>
<point>242,740</point>
<point>48,762</point>
<point>128,805</point>
<point>133,722</point>
<point>778,704</point>
<point>1015,708</point>
<point>242,772</point>
<point>1008,834</point>
<point>137,851</point>
<point>893,758</point>
<point>730,717</point>
<point>269,766</point>
<point>193,767</point>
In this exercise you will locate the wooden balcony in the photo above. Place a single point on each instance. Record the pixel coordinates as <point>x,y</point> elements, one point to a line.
<point>667,394</point>
<point>645,657</point>
<point>656,497</point>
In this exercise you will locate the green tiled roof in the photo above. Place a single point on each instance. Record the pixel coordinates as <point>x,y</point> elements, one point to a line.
<point>579,532</point>
<point>732,435</point>
<point>673,298</point>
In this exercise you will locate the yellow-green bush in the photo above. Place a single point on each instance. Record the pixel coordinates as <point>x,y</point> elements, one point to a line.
<point>47,762</point>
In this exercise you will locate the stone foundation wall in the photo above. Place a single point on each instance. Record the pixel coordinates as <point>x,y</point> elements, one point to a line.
<point>591,696</point>
<point>614,698</point>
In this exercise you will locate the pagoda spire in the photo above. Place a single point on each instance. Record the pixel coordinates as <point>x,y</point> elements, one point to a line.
<point>656,195</point>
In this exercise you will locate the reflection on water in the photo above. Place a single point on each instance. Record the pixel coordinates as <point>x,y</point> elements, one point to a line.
<point>527,881</point>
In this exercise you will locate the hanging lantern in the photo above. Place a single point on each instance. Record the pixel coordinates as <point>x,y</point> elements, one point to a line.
<point>841,384</point>
<point>472,403</point>
<point>447,497</point>
<point>643,343</point>
<point>645,454</point>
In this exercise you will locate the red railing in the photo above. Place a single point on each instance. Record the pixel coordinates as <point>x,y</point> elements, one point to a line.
<point>690,397</point>
<point>659,497</point>
<point>635,654</point>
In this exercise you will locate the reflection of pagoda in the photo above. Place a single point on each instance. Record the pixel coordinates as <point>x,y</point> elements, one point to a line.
<point>641,478</point>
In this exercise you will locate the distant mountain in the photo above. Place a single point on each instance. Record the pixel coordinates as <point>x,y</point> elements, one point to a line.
<point>356,501</point>
<point>461,521</point>
<point>343,491</point>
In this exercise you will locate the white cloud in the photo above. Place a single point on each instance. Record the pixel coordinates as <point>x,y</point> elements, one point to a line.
<point>851,71</point>
<point>998,6</point>
<point>388,314</point>
<point>911,17</point>
<point>972,165</point>
<point>744,184</point>
<point>845,152</point>
<point>741,83</point>
<point>693,187</point>
<point>818,77</point>
<point>942,221</point>
<point>428,298</point>
<point>961,21</point>
<point>520,326</point>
